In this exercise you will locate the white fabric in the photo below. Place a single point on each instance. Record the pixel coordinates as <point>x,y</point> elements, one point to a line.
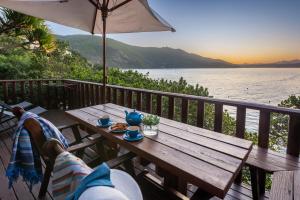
<point>135,16</point>
<point>125,189</point>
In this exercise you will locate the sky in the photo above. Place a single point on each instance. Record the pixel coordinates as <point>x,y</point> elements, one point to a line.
<point>238,31</point>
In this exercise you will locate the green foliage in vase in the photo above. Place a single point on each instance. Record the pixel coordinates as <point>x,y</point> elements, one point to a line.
<point>151,120</point>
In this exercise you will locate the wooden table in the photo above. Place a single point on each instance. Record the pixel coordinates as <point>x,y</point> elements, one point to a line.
<point>204,158</point>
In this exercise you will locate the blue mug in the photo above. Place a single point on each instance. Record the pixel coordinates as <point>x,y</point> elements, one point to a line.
<point>104,120</point>
<point>133,131</point>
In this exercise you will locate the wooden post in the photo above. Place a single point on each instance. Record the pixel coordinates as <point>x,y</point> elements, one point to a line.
<point>92,91</point>
<point>97,94</point>
<point>148,102</point>
<point>240,131</point>
<point>31,91</point>
<point>108,94</point>
<point>184,110</point>
<point>200,114</point>
<point>47,95</point>
<point>14,94</point>
<point>122,97</point>
<point>22,89</point>
<point>5,92</point>
<point>263,141</point>
<point>293,146</point>
<point>88,96</point>
<point>158,105</point>
<point>171,107</point>
<point>218,117</point>
<point>129,98</point>
<point>139,100</point>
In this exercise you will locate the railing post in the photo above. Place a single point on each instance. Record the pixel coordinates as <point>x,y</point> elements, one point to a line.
<point>129,98</point>
<point>82,94</point>
<point>31,91</point>
<point>263,141</point>
<point>264,129</point>
<point>240,122</point>
<point>39,92</point>
<point>218,117</point>
<point>122,97</point>
<point>92,92</point>
<point>77,95</point>
<point>139,100</point>
<point>171,107</point>
<point>184,110</point>
<point>200,113</point>
<point>240,131</point>
<point>97,94</point>
<point>88,96</point>
<point>115,96</point>
<point>293,146</point>
<point>14,94</point>
<point>148,102</point>
<point>5,92</point>
<point>108,94</point>
<point>158,105</point>
<point>47,94</point>
<point>64,95</point>
<point>22,89</point>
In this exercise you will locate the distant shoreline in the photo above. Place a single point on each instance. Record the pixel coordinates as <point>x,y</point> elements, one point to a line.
<point>239,67</point>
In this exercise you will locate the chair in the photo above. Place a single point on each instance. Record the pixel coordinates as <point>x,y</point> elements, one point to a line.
<point>35,131</point>
<point>7,118</point>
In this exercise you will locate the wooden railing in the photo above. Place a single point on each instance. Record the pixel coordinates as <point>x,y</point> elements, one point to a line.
<point>69,94</point>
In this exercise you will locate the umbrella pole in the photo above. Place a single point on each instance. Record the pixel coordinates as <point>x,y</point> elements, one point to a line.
<point>104,16</point>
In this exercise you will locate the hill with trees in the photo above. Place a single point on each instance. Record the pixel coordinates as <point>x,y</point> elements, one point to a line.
<point>127,56</point>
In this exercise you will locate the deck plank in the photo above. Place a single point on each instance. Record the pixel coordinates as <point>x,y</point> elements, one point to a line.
<point>20,187</point>
<point>282,186</point>
<point>5,193</point>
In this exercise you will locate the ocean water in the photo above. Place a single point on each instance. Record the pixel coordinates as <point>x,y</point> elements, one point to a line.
<point>260,85</point>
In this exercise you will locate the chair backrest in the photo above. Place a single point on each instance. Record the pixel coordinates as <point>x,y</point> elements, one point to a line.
<point>3,106</point>
<point>36,133</point>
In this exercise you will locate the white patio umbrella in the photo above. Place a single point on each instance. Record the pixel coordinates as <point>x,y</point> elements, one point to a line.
<point>95,16</point>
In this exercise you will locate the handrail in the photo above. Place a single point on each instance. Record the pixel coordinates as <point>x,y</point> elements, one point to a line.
<point>249,105</point>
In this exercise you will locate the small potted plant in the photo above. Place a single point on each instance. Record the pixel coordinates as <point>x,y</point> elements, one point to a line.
<point>150,125</point>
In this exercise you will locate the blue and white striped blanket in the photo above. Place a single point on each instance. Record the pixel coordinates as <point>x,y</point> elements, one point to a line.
<point>25,159</point>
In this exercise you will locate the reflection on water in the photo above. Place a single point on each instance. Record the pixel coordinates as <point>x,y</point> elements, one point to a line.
<point>265,85</point>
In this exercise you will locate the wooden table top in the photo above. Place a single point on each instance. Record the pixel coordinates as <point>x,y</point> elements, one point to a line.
<point>204,158</point>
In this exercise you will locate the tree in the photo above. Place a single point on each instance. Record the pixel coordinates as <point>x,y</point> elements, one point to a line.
<point>32,32</point>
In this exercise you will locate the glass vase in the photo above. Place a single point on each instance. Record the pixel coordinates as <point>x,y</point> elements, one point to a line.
<point>150,130</point>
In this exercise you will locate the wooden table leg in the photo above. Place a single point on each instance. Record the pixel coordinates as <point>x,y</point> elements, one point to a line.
<point>254,182</point>
<point>172,181</point>
<point>200,194</point>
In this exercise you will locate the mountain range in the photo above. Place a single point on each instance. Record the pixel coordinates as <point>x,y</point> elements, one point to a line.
<point>128,56</point>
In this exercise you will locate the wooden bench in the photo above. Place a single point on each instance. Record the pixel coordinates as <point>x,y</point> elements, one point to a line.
<point>272,161</point>
<point>262,161</point>
<point>286,186</point>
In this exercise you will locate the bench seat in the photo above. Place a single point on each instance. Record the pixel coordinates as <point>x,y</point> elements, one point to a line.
<point>272,161</point>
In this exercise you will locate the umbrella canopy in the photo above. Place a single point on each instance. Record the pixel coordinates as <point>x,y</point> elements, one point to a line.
<point>123,16</point>
<point>95,16</point>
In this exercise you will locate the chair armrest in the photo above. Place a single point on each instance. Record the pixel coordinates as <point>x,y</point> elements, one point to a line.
<point>61,128</point>
<point>113,163</point>
<point>84,145</point>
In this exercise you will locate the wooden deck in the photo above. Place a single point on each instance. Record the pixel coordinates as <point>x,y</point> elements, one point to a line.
<point>20,189</point>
